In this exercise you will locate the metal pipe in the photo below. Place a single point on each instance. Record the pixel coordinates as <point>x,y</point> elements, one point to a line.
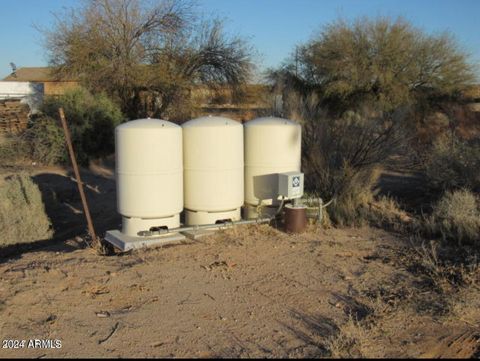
<point>282,203</point>
<point>320,210</point>
<point>68,140</point>
<point>226,224</point>
<point>204,226</point>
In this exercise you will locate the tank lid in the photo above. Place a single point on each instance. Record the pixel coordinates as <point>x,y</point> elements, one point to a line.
<point>148,123</point>
<point>210,121</point>
<point>269,121</point>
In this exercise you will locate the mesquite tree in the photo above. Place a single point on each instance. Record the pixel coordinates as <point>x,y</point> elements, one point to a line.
<point>132,49</point>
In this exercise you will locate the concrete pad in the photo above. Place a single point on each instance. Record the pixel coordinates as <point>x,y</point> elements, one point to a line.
<point>126,243</point>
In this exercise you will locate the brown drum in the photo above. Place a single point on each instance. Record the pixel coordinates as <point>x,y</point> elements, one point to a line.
<point>295,219</point>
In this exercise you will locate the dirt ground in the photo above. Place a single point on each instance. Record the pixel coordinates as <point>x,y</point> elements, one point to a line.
<point>252,291</point>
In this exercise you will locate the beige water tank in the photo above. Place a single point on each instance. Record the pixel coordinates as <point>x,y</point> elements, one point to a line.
<point>213,170</point>
<point>272,146</point>
<point>149,172</point>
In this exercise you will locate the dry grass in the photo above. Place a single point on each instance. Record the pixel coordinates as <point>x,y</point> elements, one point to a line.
<point>360,207</point>
<point>447,291</point>
<point>456,217</point>
<point>466,305</point>
<point>348,342</point>
<point>350,206</point>
<point>453,163</point>
<point>343,154</point>
<point>22,212</point>
<point>357,338</point>
<point>385,212</point>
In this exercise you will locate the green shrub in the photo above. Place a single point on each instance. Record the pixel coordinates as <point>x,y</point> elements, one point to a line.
<point>454,163</point>
<point>91,119</point>
<point>44,142</point>
<point>22,212</point>
<point>456,217</point>
<point>13,150</point>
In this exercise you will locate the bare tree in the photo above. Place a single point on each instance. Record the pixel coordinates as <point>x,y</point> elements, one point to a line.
<point>205,56</point>
<point>125,47</point>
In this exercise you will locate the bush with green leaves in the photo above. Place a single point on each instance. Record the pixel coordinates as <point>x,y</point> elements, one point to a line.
<point>44,142</point>
<point>454,163</point>
<point>91,119</point>
<point>377,60</point>
<point>22,213</point>
<point>456,217</point>
<point>13,150</point>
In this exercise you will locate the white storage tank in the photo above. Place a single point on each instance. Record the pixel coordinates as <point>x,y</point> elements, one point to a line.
<point>272,146</point>
<point>149,172</point>
<point>213,170</point>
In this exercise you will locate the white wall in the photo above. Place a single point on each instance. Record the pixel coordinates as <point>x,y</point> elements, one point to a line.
<point>29,93</point>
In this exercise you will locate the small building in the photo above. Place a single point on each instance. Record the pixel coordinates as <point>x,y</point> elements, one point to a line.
<point>251,100</point>
<point>18,101</point>
<point>22,92</point>
<point>52,85</point>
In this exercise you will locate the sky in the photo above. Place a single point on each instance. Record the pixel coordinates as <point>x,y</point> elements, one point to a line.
<point>273,27</point>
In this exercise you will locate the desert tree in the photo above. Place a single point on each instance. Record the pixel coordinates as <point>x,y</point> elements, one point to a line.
<point>204,56</point>
<point>160,48</point>
<point>385,62</point>
<point>358,87</point>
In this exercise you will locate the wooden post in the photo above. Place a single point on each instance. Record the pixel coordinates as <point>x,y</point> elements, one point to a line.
<point>86,210</point>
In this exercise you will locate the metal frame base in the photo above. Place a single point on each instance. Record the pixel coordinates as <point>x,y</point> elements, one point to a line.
<point>125,243</point>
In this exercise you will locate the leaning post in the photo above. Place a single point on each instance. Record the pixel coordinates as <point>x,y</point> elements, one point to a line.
<point>91,229</point>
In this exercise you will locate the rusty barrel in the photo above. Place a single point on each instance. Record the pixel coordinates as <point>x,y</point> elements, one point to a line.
<point>295,219</point>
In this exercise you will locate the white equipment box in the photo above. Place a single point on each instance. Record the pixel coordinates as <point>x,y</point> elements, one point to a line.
<point>290,185</point>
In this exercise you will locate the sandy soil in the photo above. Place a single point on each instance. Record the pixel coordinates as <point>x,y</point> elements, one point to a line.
<point>248,292</point>
<point>252,291</point>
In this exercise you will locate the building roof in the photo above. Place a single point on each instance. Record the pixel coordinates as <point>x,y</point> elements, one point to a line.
<point>34,74</point>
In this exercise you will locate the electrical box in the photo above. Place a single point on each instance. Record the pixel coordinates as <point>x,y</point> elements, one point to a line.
<point>290,185</point>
